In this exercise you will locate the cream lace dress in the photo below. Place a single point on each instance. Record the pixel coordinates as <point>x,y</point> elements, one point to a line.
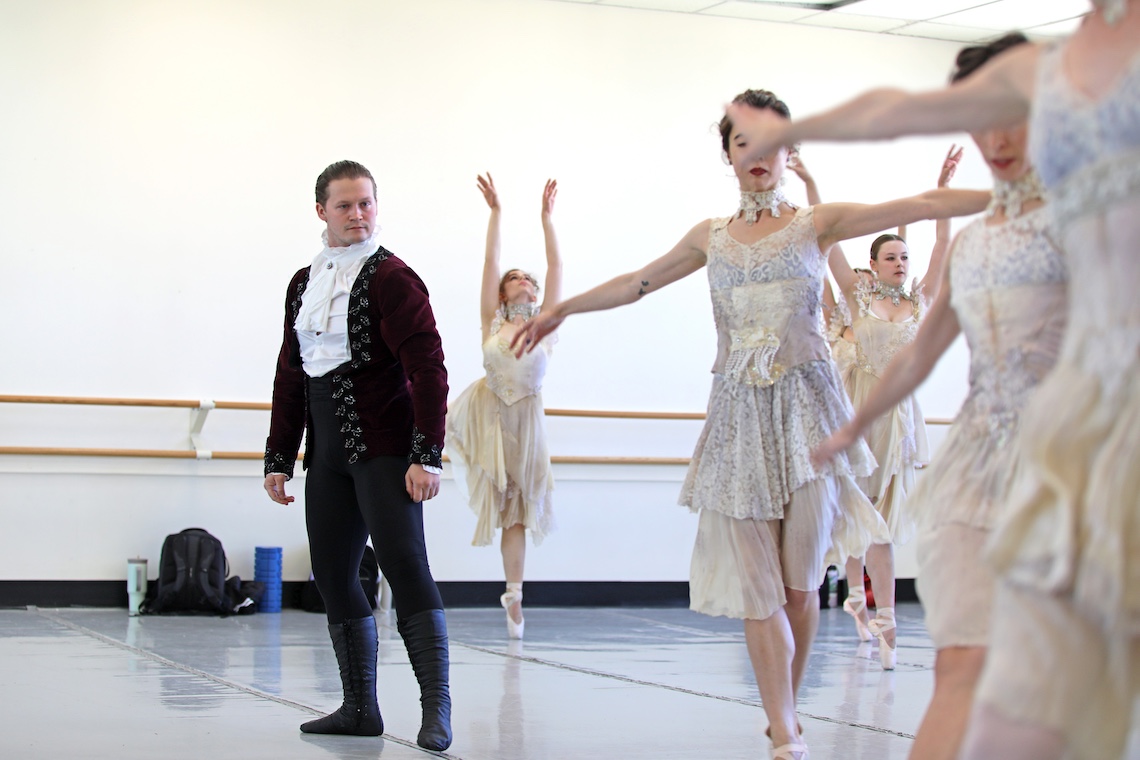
<point>496,439</point>
<point>898,438</point>
<point>1067,614</point>
<point>1008,290</point>
<point>767,515</point>
<point>842,350</point>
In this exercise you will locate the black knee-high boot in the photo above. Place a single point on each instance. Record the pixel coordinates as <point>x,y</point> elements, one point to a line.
<point>355,643</point>
<point>425,636</point>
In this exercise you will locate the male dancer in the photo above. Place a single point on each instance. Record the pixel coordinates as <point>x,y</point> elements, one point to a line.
<point>361,369</point>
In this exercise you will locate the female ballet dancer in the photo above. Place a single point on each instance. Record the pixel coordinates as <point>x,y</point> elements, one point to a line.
<point>1006,290</point>
<point>496,431</point>
<point>768,516</point>
<point>886,319</point>
<point>1063,672</point>
<point>883,326</point>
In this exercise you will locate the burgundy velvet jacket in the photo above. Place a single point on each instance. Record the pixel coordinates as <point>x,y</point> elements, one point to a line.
<point>392,392</point>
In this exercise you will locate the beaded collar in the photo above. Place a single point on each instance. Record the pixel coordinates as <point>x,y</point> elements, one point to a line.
<point>896,293</point>
<point>1012,196</point>
<point>524,310</point>
<point>752,203</point>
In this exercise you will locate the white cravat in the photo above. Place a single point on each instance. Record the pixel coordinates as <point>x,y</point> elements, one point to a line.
<point>322,322</point>
<point>331,267</point>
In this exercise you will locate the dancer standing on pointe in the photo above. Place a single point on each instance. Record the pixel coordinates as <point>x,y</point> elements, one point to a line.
<point>496,430</point>
<point>768,516</point>
<point>898,440</point>
<point>1006,290</point>
<point>361,369</point>
<point>1062,676</point>
<point>886,319</point>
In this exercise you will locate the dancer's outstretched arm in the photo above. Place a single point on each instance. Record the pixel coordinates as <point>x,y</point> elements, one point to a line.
<point>553,285</point>
<point>905,373</point>
<point>686,257</point>
<point>841,221</point>
<point>489,299</point>
<point>998,95</point>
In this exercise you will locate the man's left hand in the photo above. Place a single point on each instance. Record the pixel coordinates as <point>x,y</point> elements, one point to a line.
<point>421,484</point>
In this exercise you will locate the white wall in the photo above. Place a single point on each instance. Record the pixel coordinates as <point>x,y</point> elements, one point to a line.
<point>157,168</point>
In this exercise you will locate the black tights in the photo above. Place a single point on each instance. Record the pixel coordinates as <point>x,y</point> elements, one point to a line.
<point>344,504</point>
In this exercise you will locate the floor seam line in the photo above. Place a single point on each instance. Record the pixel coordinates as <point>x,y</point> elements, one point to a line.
<point>680,689</point>
<point>154,657</point>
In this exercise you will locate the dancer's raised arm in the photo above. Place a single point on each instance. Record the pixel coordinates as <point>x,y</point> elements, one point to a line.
<point>553,257</point>
<point>998,95</point>
<point>686,257</point>
<point>489,299</point>
<point>932,280</point>
<point>845,277</point>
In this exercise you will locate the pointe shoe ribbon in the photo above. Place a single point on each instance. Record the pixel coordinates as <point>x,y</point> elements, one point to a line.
<point>854,605</point>
<point>884,621</point>
<point>790,752</point>
<point>511,597</point>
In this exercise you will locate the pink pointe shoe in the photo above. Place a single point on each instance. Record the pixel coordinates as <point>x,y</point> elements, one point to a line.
<point>513,595</point>
<point>855,605</point>
<point>793,751</point>
<point>884,621</point>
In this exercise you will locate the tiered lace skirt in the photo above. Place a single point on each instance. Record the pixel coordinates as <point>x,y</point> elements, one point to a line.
<point>768,517</point>
<point>500,452</point>
<point>955,505</point>
<point>898,441</point>
<point>1073,523</point>
<point>1067,550</point>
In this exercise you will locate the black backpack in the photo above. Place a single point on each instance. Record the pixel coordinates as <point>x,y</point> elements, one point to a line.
<point>191,575</point>
<point>311,600</point>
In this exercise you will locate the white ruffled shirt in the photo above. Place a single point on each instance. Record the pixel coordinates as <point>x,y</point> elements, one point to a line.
<point>322,322</point>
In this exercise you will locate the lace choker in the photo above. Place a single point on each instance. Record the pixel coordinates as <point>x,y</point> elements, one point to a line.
<point>896,293</point>
<point>1011,196</point>
<point>751,204</point>
<point>524,310</point>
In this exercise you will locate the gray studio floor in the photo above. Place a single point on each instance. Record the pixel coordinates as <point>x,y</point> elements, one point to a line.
<point>586,683</point>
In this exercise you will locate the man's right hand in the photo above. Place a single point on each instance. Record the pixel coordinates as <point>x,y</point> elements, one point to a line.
<point>275,487</point>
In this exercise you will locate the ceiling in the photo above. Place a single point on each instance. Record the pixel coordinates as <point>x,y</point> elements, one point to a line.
<point>954,20</point>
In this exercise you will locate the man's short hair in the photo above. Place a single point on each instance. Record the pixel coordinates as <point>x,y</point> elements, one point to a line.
<point>341,170</point>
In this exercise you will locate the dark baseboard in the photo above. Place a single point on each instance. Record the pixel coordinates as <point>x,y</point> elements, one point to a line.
<point>17,594</point>
<point>455,593</point>
<point>570,593</point>
<point>63,594</point>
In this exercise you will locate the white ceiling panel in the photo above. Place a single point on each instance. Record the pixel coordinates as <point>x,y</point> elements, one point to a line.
<point>1016,14</point>
<point>759,11</point>
<point>910,10</point>
<point>684,6</point>
<point>935,31</point>
<point>954,20</point>
<point>1058,29</point>
<point>836,20</point>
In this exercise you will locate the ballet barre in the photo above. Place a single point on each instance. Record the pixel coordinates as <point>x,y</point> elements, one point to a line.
<point>201,408</point>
